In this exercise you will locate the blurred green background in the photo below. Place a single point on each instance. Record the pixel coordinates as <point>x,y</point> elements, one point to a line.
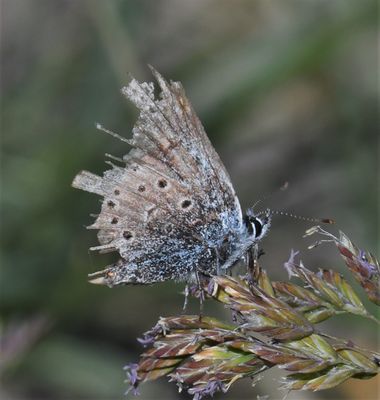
<point>287,90</point>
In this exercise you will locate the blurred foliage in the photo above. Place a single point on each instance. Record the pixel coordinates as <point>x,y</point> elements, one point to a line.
<point>287,90</point>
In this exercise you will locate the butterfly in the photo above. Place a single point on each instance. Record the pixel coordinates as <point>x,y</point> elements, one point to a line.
<point>169,208</point>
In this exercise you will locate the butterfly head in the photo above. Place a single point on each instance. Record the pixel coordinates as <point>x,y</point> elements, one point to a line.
<point>257,224</point>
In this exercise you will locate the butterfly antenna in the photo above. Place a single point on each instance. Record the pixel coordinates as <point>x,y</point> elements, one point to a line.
<point>114,134</point>
<point>302,218</point>
<point>282,188</point>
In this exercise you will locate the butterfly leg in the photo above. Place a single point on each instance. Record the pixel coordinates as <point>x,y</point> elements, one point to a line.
<point>254,271</point>
<point>252,257</point>
<point>201,294</point>
<point>217,254</point>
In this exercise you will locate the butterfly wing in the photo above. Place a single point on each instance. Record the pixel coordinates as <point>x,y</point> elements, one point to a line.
<point>172,203</point>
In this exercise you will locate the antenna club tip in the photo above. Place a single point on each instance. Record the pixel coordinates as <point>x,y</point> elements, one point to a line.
<point>328,221</point>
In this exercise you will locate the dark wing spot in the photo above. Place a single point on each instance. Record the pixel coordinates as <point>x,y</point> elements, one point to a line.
<point>114,221</point>
<point>162,183</point>
<point>116,192</point>
<point>127,235</point>
<point>186,204</point>
<point>111,204</point>
<point>141,188</point>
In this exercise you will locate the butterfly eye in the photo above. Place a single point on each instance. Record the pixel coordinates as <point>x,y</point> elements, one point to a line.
<point>258,226</point>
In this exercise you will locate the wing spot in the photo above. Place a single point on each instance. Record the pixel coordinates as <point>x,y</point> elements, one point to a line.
<point>127,235</point>
<point>141,188</point>
<point>114,221</point>
<point>162,183</point>
<point>186,204</point>
<point>116,192</point>
<point>111,204</point>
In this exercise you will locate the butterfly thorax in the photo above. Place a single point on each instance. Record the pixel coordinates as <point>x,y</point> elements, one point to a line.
<point>253,229</point>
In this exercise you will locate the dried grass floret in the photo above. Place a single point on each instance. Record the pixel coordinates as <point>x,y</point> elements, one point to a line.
<point>274,326</point>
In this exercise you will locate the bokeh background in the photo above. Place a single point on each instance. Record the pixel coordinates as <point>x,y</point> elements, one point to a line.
<point>287,90</point>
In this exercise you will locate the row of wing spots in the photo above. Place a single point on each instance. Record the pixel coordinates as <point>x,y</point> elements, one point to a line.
<point>179,194</point>
<point>115,239</point>
<point>124,184</point>
<point>113,220</point>
<point>153,191</point>
<point>147,166</point>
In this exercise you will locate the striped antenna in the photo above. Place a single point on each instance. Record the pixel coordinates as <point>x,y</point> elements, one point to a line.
<point>302,218</point>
